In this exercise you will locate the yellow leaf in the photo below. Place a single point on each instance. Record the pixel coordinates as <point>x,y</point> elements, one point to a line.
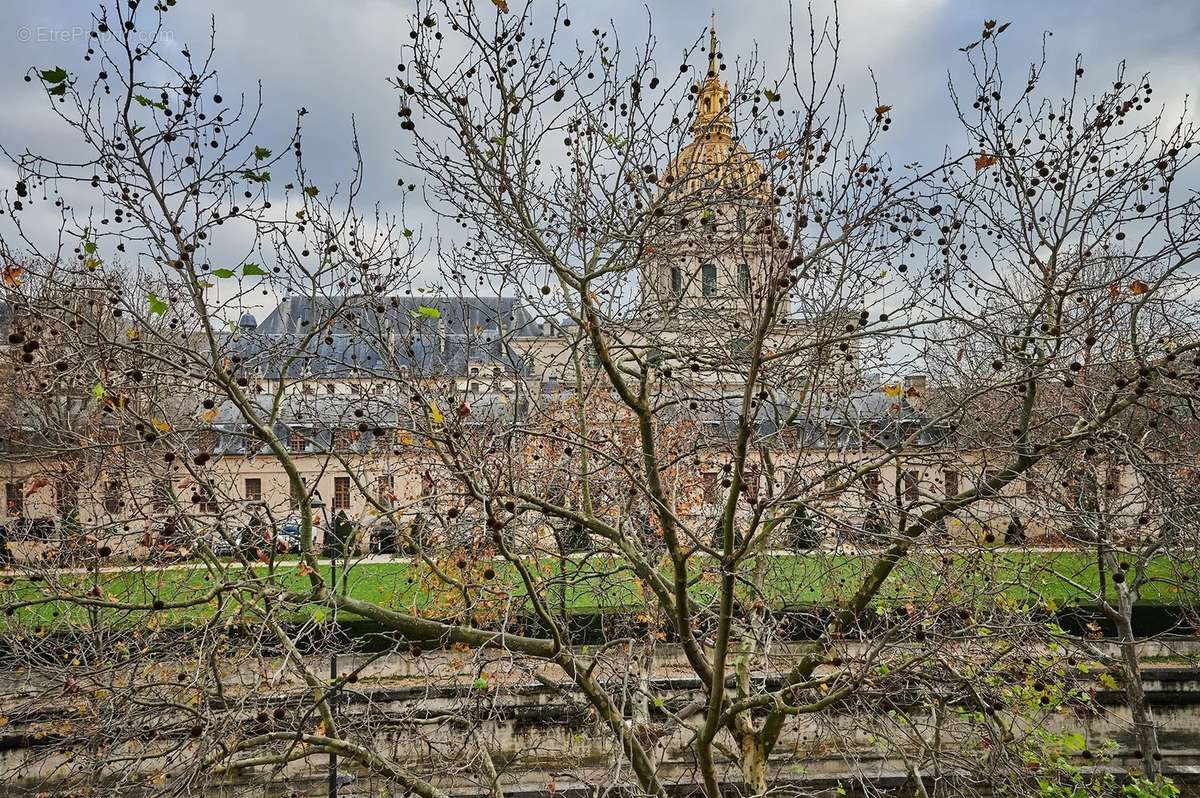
<point>893,390</point>
<point>132,333</point>
<point>501,4</point>
<point>435,413</point>
<point>208,416</point>
<point>1138,287</point>
<point>983,161</point>
<point>12,275</point>
<point>160,425</point>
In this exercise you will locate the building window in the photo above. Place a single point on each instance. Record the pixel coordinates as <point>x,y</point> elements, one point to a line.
<point>676,281</point>
<point>253,489</point>
<point>112,496</point>
<point>951,480</point>
<point>341,493</point>
<point>378,388</point>
<point>208,441</point>
<point>873,481</point>
<point>330,388</point>
<point>160,498</point>
<point>744,277</point>
<point>708,278</point>
<point>297,441</point>
<point>383,490</point>
<point>1112,478</point>
<point>912,490</point>
<point>66,498</point>
<point>14,499</point>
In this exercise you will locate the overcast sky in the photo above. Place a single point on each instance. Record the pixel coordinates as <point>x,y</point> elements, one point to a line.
<point>334,58</point>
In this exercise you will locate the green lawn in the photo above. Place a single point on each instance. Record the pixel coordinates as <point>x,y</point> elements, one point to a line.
<point>795,581</point>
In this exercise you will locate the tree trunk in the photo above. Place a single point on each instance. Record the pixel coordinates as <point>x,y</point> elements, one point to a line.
<point>754,765</point>
<point>1135,693</point>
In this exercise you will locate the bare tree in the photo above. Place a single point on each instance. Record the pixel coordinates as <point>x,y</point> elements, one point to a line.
<point>667,348</point>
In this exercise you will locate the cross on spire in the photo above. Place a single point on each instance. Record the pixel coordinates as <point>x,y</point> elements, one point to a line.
<point>712,45</point>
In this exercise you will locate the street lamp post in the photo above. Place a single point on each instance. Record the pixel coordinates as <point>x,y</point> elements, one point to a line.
<point>318,507</point>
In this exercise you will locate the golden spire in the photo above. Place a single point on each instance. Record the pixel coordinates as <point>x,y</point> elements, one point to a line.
<point>712,101</point>
<point>712,45</point>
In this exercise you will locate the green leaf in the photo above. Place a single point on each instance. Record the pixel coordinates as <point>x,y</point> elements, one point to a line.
<point>98,391</point>
<point>158,306</point>
<point>89,247</point>
<point>480,683</point>
<point>55,75</point>
<point>257,177</point>
<point>428,312</point>
<point>253,270</point>
<point>408,233</point>
<point>311,191</point>
<point>261,153</point>
<point>770,95</point>
<point>223,274</point>
<point>57,91</point>
<point>146,101</point>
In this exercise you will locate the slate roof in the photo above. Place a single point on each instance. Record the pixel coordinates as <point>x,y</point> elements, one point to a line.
<point>373,335</point>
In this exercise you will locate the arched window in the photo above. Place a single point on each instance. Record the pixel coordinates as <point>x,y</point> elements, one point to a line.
<point>744,277</point>
<point>708,278</point>
<point>676,281</point>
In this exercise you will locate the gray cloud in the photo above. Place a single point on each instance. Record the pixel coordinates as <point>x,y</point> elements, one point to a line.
<point>334,59</point>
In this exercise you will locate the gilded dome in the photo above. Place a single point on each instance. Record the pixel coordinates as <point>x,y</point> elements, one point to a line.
<point>713,163</point>
<point>718,167</point>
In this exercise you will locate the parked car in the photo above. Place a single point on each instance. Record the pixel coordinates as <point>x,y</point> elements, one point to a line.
<point>287,536</point>
<point>224,543</point>
<point>250,538</point>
